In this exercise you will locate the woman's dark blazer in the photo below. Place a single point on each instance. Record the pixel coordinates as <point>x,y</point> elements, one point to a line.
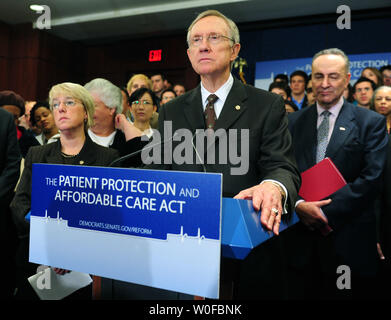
<point>91,154</point>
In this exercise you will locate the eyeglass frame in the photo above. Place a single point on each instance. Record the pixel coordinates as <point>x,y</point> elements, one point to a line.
<point>201,38</point>
<point>144,102</point>
<point>65,103</point>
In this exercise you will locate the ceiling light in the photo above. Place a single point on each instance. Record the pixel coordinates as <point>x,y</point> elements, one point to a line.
<point>37,8</point>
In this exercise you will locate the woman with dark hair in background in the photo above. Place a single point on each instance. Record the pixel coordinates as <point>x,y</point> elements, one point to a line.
<point>374,75</point>
<point>143,104</point>
<point>15,104</point>
<point>348,93</point>
<point>42,117</point>
<point>381,103</point>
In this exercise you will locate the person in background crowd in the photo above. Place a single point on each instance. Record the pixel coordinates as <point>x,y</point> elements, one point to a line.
<point>73,110</point>
<point>14,104</point>
<point>363,90</point>
<point>125,101</point>
<point>290,106</point>
<point>167,95</point>
<point>42,117</point>
<point>348,93</point>
<point>386,75</point>
<point>280,88</point>
<point>381,103</point>
<point>158,84</point>
<point>179,89</point>
<point>167,84</point>
<point>106,129</point>
<point>138,81</point>
<point>298,82</point>
<point>310,92</point>
<point>281,77</point>
<point>9,173</point>
<point>374,75</point>
<point>24,120</point>
<point>142,81</point>
<point>143,104</point>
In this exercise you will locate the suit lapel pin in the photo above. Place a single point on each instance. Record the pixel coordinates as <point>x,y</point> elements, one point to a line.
<point>237,107</point>
<point>81,162</point>
<point>342,128</point>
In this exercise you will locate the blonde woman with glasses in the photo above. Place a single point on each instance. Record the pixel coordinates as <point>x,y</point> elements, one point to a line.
<point>73,110</point>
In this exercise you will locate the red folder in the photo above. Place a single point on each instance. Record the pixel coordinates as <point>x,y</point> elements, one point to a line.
<point>320,181</point>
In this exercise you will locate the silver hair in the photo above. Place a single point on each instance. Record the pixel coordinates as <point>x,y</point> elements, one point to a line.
<point>233,29</point>
<point>372,102</point>
<point>336,52</point>
<point>107,92</point>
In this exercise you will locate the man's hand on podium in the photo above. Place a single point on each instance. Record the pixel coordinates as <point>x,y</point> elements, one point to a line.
<point>268,198</point>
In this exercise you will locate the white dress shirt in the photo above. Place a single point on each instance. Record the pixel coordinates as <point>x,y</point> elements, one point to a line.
<point>102,141</point>
<point>222,94</point>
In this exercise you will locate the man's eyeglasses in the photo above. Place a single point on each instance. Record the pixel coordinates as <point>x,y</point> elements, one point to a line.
<point>67,103</point>
<point>213,38</point>
<point>144,102</point>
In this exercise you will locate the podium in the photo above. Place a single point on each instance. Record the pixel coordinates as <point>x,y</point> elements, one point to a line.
<point>160,229</point>
<point>242,230</point>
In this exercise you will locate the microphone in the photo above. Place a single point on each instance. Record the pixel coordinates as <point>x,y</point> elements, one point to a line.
<point>135,153</point>
<point>196,152</point>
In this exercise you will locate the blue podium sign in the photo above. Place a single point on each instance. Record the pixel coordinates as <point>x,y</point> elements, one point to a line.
<point>155,228</point>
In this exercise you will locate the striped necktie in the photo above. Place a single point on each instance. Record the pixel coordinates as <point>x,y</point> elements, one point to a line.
<point>210,115</point>
<point>323,133</point>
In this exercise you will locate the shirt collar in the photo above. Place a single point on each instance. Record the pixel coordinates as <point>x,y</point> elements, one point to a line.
<point>334,110</point>
<point>221,93</point>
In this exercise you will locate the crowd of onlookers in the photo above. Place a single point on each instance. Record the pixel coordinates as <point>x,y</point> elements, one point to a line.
<point>116,117</point>
<point>112,117</point>
<point>35,124</point>
<point>297,89</point>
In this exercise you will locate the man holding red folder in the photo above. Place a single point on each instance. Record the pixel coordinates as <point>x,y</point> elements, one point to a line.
<point>338,230</point>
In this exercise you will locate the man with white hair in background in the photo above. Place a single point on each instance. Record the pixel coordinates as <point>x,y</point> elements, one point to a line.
<point>111,128</point>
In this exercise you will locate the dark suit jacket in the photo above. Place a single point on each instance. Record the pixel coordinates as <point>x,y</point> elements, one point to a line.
<point>260,275</point>
<point>9,156</point>
<point>246,107</point>
<point>385,208</point>
<point>358,149</point>
<point>91,154</point>
<point>127,147</point>
<point>26,141</point>
<point>9,167</point>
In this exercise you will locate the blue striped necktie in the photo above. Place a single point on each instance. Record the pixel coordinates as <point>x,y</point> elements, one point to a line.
<point>323,133</point>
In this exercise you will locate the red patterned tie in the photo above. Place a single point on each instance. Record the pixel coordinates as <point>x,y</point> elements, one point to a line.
<point>210,115</point>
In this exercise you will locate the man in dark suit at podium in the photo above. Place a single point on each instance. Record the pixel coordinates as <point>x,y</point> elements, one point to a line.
<point>355,140</point>
<point>222,103</point>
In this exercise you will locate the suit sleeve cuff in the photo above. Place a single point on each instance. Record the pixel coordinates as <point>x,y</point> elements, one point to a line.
<point>284,206</point>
